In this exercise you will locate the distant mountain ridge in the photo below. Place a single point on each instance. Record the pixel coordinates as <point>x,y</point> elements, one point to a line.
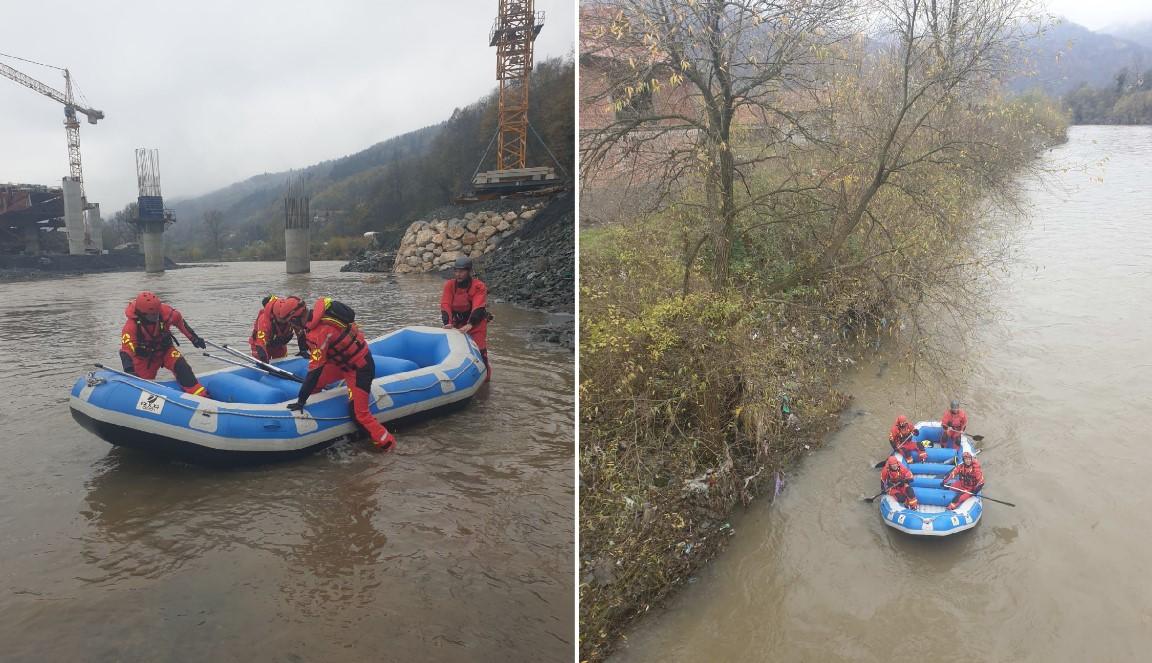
<point>1069,55</point>
<point>1139,32</point>
<point>384,187</point>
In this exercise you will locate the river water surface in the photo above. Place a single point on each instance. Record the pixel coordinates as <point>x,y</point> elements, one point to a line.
<point>457,547</point>
<point>1060,389</point>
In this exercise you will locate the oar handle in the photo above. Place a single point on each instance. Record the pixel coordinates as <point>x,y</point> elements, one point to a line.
<point>252,361</point>
<point>984,497</point>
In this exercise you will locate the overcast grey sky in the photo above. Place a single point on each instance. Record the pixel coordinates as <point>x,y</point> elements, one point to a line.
<point>226,90</point>
<point>1101,14</point>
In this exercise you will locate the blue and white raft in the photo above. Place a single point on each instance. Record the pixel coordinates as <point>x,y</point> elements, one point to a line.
<point>933,518</point>
<point>418,369</point>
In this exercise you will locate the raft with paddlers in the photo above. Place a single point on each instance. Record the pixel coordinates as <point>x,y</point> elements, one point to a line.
<point>917,501</point>
<point>246,418</point>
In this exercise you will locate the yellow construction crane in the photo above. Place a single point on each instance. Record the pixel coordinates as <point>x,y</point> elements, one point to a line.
<point>71,125</point>
<point>513,34</point>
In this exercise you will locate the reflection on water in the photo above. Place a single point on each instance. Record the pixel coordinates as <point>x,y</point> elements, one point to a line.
<point>1058,388</point>
<point>457,547</point>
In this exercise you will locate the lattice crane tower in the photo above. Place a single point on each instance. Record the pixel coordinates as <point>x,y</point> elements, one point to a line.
<point>512,34</point>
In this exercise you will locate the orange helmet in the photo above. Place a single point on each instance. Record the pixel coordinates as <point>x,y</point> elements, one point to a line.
<point>148,306</point>
<point>289,309</point>
<point>901,421</point>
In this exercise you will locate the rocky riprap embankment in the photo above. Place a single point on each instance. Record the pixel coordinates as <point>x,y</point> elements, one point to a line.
<point>537,266</point>
<point>434,244</point>
<point>371,260</point>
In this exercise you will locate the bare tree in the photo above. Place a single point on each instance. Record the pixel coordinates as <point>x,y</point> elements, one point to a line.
<point>702,92</point>
<point>122,228</point>
<point>214,224</point>
<point>915,112</point>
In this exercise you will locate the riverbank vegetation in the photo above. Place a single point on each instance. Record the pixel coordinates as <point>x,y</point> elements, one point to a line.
<point>774,185</point>
<point>1127,100</point>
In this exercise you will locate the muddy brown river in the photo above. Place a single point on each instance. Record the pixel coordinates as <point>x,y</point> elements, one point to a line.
<point>458,547</point>
<point>1060,388</point>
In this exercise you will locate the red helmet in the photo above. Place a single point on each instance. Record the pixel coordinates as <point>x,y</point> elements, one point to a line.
<point>148,306</point>
<point>288,309</point>
<point>901,421</point>
<point>968,456</point>
<point>894,463</point>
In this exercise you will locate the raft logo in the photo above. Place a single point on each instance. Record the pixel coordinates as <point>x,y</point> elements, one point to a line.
<point>150,403</point>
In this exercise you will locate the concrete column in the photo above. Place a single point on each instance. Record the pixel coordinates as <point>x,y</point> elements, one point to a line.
<point>32,239</point>
<point>96,228</point>
<point>73,217</point>
<point>296,250</point>
<point>152,241</point>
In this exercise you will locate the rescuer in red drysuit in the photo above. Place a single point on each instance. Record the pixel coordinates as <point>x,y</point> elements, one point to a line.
<point>146,342</point>
<point>896,480</point>
<point>463,306</point>
<point>954,422</point>
<point>968,476</point>
<point>338,350</point>
<point>901,439</point>
<point>278,321</point>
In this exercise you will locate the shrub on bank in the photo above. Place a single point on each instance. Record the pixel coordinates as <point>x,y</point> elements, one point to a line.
<point>690,405</point>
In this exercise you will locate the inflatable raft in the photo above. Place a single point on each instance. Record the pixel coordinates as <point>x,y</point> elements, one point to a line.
<point>933,518</point>
<point>418,370</point>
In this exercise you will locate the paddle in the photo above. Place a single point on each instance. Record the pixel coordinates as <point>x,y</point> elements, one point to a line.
<point>991,499</point>
<point>253,362</point>
<point>873,498</point>
<point>977,438</point>
<point>956,459</point>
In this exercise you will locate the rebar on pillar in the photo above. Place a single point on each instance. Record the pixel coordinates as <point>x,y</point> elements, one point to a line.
<point>297,239</point>
<point>150,209</point>
<point>74,216</point>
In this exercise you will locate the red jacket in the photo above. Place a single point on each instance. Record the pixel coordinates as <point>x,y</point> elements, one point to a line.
<point>142,339</point>
<point>333,341</point>
<point>459,303</point>
<point>968,478</point>
<point>897,435</point>
<point>266,332</point>
<point>958,420</point>
<point>889,479</point>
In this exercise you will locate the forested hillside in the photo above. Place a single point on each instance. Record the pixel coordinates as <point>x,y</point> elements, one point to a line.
<point>382,188</point>
<point>1126,99</point>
